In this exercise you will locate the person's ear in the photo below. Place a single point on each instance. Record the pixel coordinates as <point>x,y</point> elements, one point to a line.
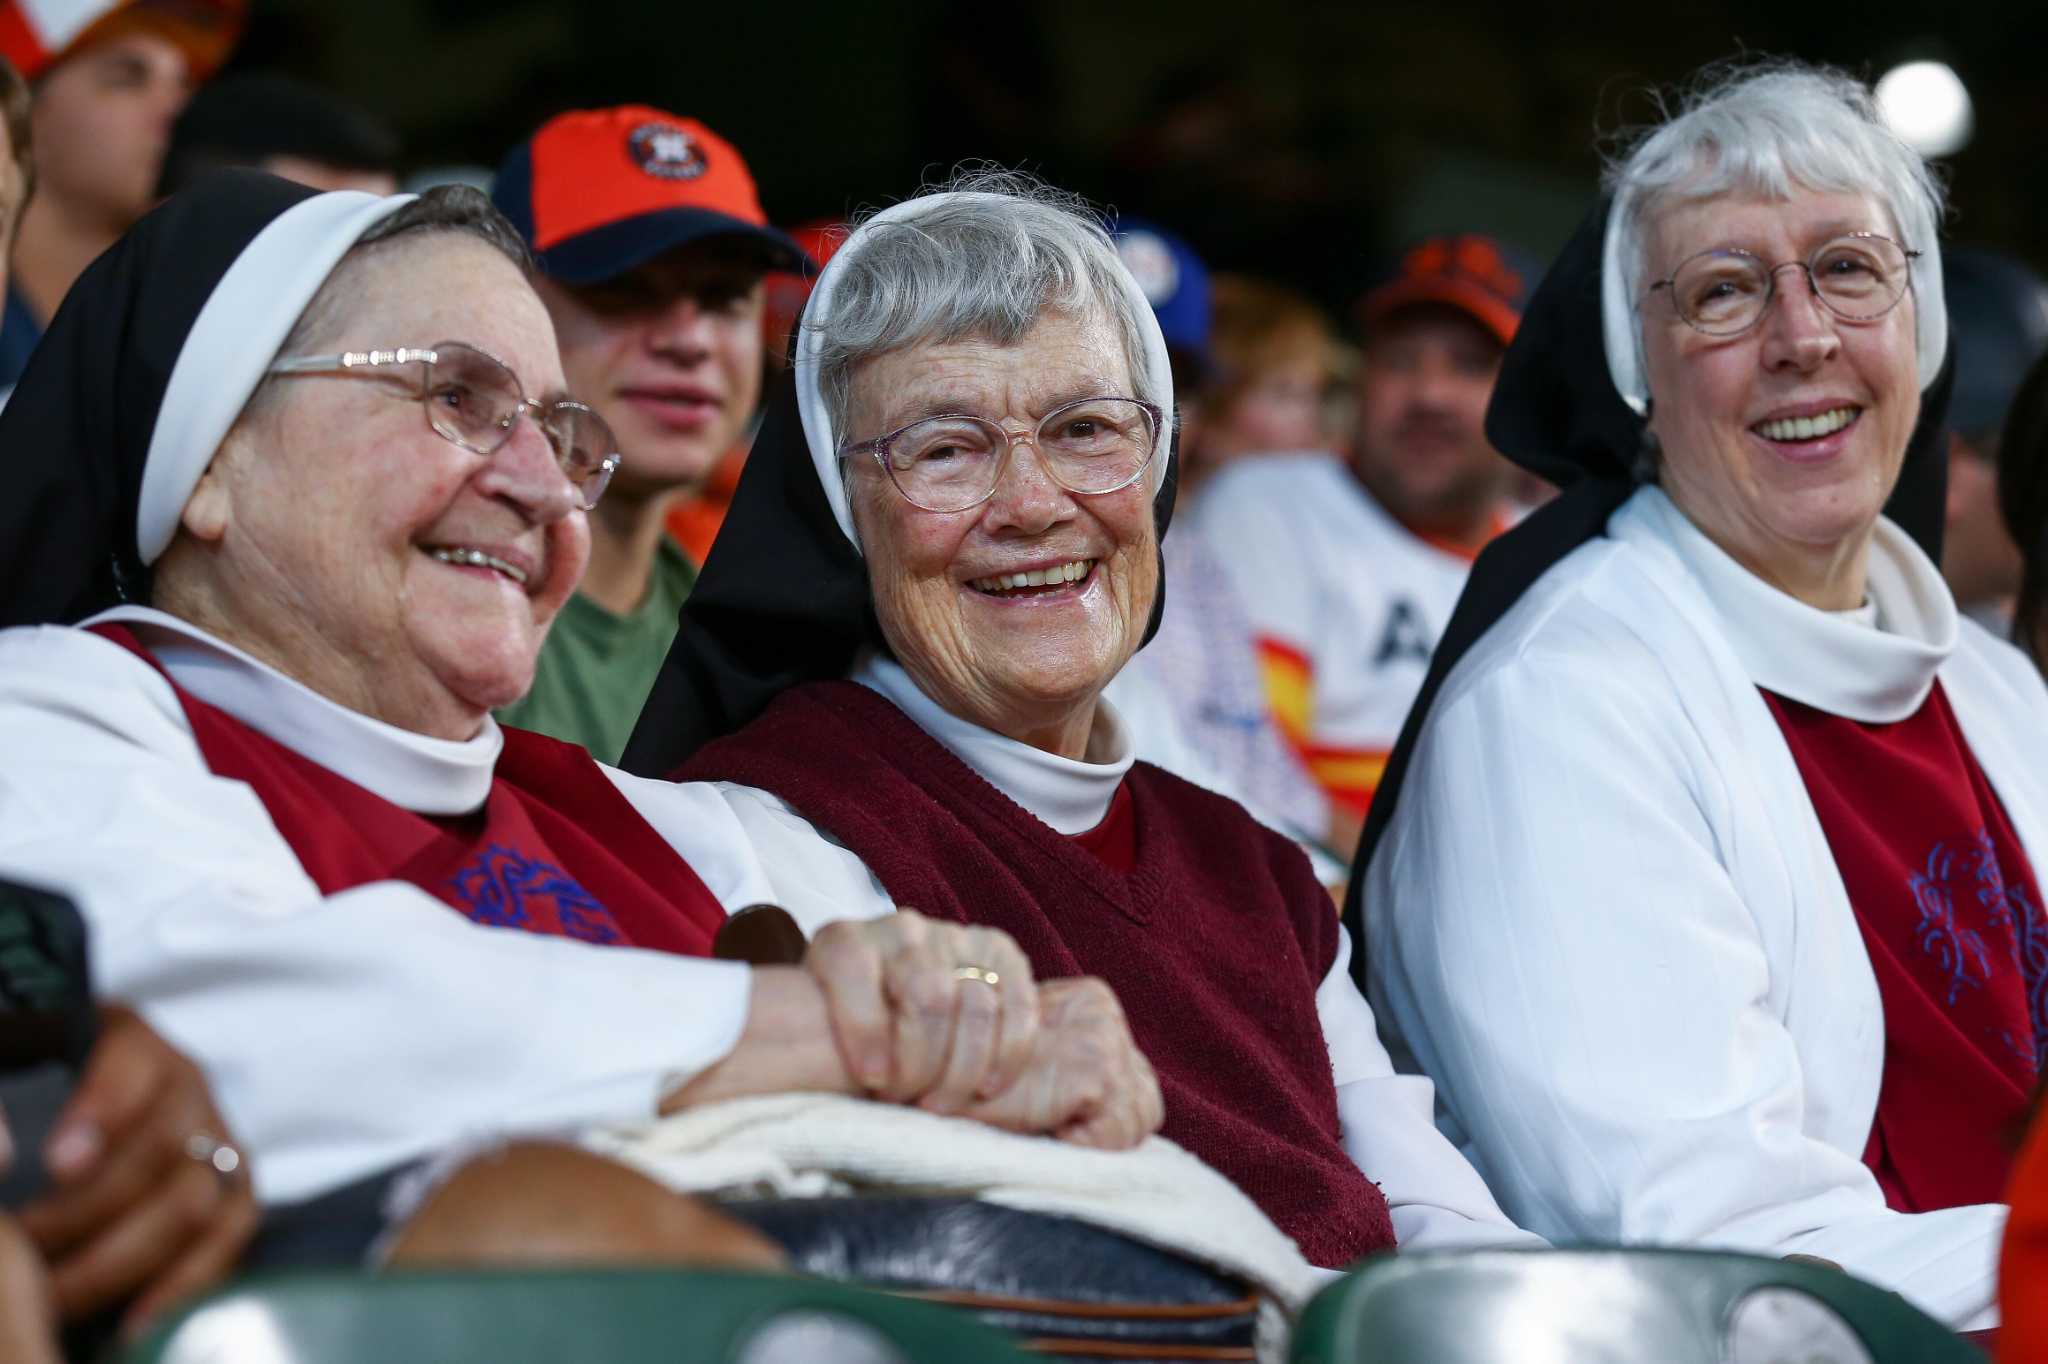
<point>210,509</point>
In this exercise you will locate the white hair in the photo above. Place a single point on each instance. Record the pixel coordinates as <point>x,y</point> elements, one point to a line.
<point>1769,130</point>
<point>988,262</point>
<point>985,255</point>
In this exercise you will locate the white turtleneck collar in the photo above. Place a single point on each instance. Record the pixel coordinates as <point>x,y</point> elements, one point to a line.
<point>416,771</point>
<point>1834,661</point>
<point>1070,796</point>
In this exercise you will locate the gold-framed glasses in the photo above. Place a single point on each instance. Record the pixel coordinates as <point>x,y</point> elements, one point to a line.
<point>1858,276</point>
<point>952,462</point>
<point>473,399</point>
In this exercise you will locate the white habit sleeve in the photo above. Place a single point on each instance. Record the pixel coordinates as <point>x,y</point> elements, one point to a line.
<point>1555,938</point>
<point>342,1034</point>
<point>1437,1199</point>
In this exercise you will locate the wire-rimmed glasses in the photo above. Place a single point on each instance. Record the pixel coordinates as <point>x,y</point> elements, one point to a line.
<point>1858,276</point>
<point>473,399</point>
<point>951,463</point>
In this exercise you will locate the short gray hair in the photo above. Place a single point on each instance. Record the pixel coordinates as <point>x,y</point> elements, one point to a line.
<point>987,264</point>
<point>1770,128</point>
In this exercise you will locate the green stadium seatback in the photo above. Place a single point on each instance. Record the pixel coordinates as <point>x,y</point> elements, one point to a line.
<point>1619,1306</point>
<point>584,1316</point>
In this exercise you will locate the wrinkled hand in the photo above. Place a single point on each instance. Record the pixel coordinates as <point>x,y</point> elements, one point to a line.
<point>131,1213</point>
<point>1086,1081</point>
<point>909,1028</point>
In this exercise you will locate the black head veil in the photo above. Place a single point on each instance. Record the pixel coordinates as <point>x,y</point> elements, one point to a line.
<point>78,428</point>
<point>783,597</point>
<point>1555,411</point>
<point>112,388</point>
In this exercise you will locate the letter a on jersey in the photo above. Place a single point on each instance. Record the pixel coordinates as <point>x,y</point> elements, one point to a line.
<point>1405,638</point>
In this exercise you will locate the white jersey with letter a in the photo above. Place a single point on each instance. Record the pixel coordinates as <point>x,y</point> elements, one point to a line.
<point>1346,606</point>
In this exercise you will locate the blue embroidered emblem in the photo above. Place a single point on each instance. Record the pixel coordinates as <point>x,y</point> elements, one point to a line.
<point>506,889</point>
<point>1961,951</point>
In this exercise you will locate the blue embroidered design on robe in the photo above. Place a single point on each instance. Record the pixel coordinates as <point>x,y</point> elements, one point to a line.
<point>1961,951</point>
<point>506,889</point>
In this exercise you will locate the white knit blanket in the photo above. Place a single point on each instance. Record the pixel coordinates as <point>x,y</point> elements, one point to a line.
<point>804,1145</point>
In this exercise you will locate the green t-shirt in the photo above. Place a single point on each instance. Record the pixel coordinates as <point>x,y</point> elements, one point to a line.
<point>596,668</point>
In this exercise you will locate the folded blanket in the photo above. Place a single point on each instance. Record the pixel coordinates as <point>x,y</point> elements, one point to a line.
<point>806,1145</point>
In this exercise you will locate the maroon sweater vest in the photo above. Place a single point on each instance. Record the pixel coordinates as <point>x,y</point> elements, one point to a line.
<point>1215,941</point>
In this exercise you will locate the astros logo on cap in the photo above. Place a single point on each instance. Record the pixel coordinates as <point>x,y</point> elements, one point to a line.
<point>666,151</point>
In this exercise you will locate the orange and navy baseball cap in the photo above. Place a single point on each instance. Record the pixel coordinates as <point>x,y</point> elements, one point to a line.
<point>37,34</point>
<point>597,192</point>
<point>1481,277</point>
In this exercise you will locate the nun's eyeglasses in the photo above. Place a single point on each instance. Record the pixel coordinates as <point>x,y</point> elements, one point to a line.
<point>952,463</point>
<point>1859,277</point>
<point>473,399</point>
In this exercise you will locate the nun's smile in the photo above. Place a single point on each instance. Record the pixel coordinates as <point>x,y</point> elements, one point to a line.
<point>355,548</point>
<point>1017,612</point>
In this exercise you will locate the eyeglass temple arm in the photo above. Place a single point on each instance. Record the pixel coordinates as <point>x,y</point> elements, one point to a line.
<point>352,359</point>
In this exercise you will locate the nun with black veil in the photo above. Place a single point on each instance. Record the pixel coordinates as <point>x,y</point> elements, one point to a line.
<point>295,495</point>
<point>1704,883</point>
<point>945,545</point>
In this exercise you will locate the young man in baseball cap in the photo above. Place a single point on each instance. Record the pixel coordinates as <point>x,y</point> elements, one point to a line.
<point>1350,569</point>
<point>652,248</point>
<point>108,80</point>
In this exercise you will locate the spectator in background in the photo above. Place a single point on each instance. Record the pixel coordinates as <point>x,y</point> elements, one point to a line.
<point>1998,308</point>
<point>1192,698</point>
<point>653,248</point>
<point>1350,571</point>
<point>108,81</point>
<point>1274,362</point>
<point>697,513</point>
<point>278,124</point>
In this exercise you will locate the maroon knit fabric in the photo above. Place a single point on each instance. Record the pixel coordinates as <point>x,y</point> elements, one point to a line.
<point>1215,942</point>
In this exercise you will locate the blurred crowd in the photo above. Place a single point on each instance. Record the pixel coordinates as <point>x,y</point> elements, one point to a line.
<point>726,474</point>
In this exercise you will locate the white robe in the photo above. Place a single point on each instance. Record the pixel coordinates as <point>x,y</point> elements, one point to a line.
<point>1435,1197</point>
<point>1606,919</point>
<point>342,1034</point>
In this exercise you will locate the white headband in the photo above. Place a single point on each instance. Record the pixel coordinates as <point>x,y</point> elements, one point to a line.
<point>231,344</point>
<point>817,416</point>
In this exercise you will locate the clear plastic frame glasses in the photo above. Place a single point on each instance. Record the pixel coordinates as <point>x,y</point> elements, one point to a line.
<point>952,463</point>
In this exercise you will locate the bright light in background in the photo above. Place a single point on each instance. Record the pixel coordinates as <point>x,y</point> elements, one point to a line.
<point>1926,105</point>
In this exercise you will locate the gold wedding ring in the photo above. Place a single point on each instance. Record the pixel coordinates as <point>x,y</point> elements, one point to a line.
<point>980,973</point>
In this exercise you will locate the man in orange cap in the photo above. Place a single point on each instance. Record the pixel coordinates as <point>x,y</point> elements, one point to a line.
<point>108,79</point>
<point>652,247</point>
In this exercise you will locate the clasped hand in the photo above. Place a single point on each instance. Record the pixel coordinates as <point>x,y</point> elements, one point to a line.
<point>917,1021</point>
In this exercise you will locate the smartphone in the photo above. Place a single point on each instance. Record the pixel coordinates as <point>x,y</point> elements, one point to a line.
<point>48,1024</point>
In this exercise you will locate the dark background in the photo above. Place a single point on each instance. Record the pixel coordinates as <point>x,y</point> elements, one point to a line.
<point>1297,140</point>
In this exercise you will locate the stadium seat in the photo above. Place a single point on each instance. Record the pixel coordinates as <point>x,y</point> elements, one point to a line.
<point>592,1316</point>
<point>1619,1306</point>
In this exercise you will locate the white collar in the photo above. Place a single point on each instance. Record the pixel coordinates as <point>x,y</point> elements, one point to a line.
<point>416,771</point>
<point>1832,661</point>
<point>1071,796</point>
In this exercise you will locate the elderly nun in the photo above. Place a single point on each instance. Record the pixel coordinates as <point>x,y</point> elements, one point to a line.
<point>297,495</point>
<point>894,662</point>
<point>1706,886</point>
